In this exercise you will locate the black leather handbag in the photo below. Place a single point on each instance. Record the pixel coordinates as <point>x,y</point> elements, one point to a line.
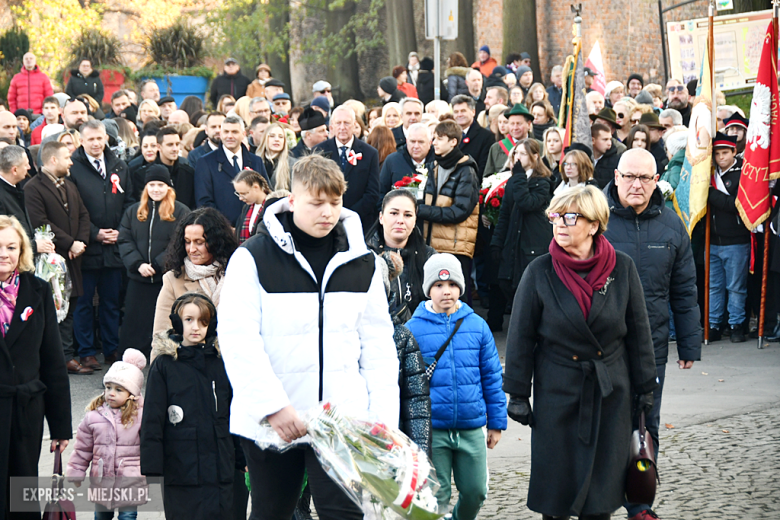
<point>642,477</point>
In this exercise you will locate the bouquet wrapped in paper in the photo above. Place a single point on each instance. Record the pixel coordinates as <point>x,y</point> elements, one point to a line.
<point>492,194</point>
<point>51,268</point>
<point>415,184</point>
<point>378,467</point>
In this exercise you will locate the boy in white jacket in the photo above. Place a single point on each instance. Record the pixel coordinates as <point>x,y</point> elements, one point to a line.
<point>303,319</point>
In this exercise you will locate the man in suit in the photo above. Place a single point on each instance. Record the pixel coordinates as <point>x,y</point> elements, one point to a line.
<point>476,141</point>
<point>212,141</point>
<point>215,171</point>
<point>409,158</point>
<point>358,161</point>
<point>104,184</point>
<point>411,112</point>
<point>53,200</point>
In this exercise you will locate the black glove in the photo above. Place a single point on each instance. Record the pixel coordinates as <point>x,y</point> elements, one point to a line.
<point>495,256</point>
<point>644,403</point>
<point>519,409</point>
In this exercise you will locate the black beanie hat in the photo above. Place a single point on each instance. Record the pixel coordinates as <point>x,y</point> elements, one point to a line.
<point>637,77</point>
<point>388,84</point>
<point>159,173</point>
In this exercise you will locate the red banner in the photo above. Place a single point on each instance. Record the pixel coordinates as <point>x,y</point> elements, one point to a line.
<point>762,150</point>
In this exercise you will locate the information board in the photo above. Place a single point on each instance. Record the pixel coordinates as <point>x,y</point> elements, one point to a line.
<point>738,38</point>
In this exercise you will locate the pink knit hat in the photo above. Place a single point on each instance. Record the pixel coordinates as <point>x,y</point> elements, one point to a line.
<point>127,373</point>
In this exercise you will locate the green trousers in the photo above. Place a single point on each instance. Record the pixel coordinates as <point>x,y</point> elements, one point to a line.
<point>461,454</point>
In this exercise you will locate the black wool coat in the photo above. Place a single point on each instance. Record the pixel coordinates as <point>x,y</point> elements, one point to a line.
<point>33,382</point>
<point>523,232</point>
<point>477,144</point>
<point>196,456</point>
<point>105,207</point>
<point>45,206</point>
<point>584,375</point>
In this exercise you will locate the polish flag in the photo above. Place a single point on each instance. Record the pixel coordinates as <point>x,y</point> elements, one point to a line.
<point>595,64</point>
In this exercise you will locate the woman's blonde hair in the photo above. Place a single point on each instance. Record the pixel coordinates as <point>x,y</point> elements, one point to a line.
<point>584,165</point>
<point>151,103</point>
<point>167,205</point>
<point>590,201</point>
<point>129,409</point>
<point>529,98</point>
<point>282,172</point>
<point>394,106</point>
<point>241,109</point>
<point>553,161</point>
<point>25,253</point>
<point>74,134</point>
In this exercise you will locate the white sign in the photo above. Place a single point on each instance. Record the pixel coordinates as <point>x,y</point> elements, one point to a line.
<point>446,12</point>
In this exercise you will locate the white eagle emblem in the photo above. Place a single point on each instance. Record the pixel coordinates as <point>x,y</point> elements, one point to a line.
<point>760,117</point>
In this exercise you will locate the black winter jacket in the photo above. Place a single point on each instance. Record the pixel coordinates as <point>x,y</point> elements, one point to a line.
<point>415,416</point>
<point>196,454</point>
<point>183,179</point>
<point>147,242</point>
<point>92,85</point>
<point>657,242</point>
<point>425,82</point>
<point>659,153</point>
<point>12,204</point>
<point>397,165</point>
<point>604,170</point>
<point>105,207</point>
<point>137,168</point>
<point>234,85</point>
<point>523,232</point>
<point>727,226</point>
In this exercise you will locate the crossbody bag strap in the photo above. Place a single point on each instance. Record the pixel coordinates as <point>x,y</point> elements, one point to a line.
<point>446,343</point>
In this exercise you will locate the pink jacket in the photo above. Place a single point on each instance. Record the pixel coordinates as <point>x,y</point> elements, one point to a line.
<point>113,450</point>
<point>28,89</point>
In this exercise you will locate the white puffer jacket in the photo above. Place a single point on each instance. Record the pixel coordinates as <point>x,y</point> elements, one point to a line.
<point>269,328</point>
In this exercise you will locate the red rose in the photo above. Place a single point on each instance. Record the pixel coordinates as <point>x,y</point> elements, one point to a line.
<point>484,191</point>
<point>399,184</point>
<point>481,199</point>
<point>500,192</point>
<point>495,202</point>
<point>407,180</point>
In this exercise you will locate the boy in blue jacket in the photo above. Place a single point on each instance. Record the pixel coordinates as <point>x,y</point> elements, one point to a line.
<point>466,389</point>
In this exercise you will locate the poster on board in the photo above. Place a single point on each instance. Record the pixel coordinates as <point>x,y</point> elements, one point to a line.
<point>739,39</point>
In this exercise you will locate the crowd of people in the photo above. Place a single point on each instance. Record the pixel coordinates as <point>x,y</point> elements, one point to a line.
<point>336,250</point>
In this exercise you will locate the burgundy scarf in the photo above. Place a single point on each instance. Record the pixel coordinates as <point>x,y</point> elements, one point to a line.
<point>599,267</point>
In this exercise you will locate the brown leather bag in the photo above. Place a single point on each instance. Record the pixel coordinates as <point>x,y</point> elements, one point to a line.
<point>642,476</point>
<point>58,509</point>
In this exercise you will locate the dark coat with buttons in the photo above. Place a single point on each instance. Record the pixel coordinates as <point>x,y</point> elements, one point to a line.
<point>584,375</point>
<point>196,455</point>
<point>523,232</point>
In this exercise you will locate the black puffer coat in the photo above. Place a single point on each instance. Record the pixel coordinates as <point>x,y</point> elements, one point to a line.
<point>147,242</point>
<point>91,85</point>
<point>657,242</point>
<point>415,415</point>
<point>196,455</point>
<point>523,232</point>
<point>604,170</point>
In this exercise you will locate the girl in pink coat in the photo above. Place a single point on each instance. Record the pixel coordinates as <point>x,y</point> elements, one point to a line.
<point>109,439</point>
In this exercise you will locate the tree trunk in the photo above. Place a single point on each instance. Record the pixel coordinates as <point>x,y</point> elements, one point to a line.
<point>401,38</point>
<point>343,74</point>
<point>278,23</point>
<point>520,31</point>
<point>465,41</point>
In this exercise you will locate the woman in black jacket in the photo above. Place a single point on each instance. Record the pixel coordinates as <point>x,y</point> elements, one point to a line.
<point>523,231</point>
<point>144,234</point>
<point>85,80</point>
<point>424,81</point>
<point>33,378</point>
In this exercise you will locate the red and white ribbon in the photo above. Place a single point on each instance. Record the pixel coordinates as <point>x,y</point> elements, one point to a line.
<point>494,189</point>
<point>353,158</point>
<point>115,184</point>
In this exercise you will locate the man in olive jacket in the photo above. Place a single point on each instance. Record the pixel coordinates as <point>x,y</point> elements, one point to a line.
<point>104,184</point>
<point>641,226</point>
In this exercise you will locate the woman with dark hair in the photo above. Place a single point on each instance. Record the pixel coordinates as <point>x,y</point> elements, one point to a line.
<point>455,75</point>
<point>85,80</point>
<point>401,75</point>
<point>523,231</point>
<point>395,232</point>
<point>638,137</point>
<point>544,118</point>
<point>191,104</point>
<point>382,139</point>
<point>144,235</point>
<point>197,255</point>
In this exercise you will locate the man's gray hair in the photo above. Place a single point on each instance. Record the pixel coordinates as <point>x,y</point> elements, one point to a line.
<point>94,124</point>
<point>406,100</point>
<point>672,114</point>
<point>234,120</point>
<point>344,108</point>
<point>557,68</point>
<point>257,100</point>
<point>417,126</point>
<point>471,73</point>
<point>11,156</point>
<point>462,98</point>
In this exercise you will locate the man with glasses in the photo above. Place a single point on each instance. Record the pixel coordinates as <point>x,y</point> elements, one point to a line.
<point>641,226</point>
<point>677,98</point>
<point>323,89</point>
<point>259,106</point>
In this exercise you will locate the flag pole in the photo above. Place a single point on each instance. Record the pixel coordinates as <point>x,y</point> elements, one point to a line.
<point>767,231</point>
<point>713,128</point>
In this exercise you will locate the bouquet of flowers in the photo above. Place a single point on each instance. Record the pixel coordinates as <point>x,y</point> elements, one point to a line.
<point>492,193</point>
<point>415,184</point>
<point>666,189</point>
<point>378,467</point>
<point>51,267</point>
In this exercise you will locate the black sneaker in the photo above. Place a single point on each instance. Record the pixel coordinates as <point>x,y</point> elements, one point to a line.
<point>737,336</point>
<point>715,335</point>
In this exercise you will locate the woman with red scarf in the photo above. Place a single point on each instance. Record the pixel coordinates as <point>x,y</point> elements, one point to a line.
<point>580,336</point>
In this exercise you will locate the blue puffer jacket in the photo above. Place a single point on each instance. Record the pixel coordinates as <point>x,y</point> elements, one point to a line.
<point>466,384</point>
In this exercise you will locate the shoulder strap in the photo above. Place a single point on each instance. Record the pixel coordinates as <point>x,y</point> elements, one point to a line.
<point>444,347</point>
